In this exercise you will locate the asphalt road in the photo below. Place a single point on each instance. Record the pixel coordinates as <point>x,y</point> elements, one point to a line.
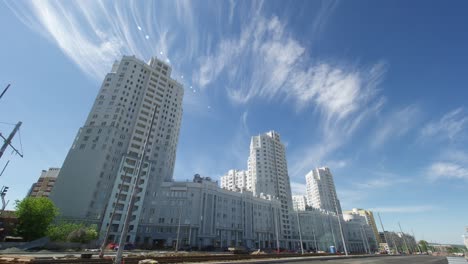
<point>379,260</point>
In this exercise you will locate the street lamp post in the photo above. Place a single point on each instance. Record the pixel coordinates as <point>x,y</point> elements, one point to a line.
<point>178,231</point>
<point>135,189</point>
<point>404,239</point>
<point>103,245</point>
<point>341,228</point>
<point>300,235</point>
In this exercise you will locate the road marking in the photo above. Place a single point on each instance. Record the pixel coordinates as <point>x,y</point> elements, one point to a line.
<point>456,260</point>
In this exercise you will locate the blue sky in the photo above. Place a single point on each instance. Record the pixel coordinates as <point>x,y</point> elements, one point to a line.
<point>376,91</point>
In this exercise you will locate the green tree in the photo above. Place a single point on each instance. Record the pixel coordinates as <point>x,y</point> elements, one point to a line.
<point>35,214</point>
<point>423,245</point>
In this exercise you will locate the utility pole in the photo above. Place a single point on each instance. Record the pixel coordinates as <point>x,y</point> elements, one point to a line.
<point>333,233</point>
<point>417,244</point>
<point>366,238</point>
<point>135,189</point>
<point>276,231</point>
<point>404,239</point>
<point>394,243</point>
<point>7,141</point>
<point>3,192</point>
<point>315,239</point>
<point>363,242</point>
<point>385,236</point>
<point>190,235</point>
<point>106,235</point>
<point>1,173</point>
<point>4,91</point>
<point>341,227</point>
<point>300,235</point>
<point>178,231</point>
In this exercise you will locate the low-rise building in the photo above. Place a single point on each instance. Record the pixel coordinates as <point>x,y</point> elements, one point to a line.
<point>359,232</point>
<point>370,220</point>
<point>8,223</point>
<point>200,214</point>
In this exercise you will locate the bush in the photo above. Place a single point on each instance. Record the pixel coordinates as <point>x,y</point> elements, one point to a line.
<point>72,232</point>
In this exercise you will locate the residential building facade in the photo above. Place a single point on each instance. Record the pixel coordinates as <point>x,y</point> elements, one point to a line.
<point>370,220</point>
<point>359,232</point>
<point>236,180</point>
<point>202,215</point>
<point>268,172</point>
<point>103,163</point>
<point>321,192</point>
<point>299,202</point>
<point>45,183</point>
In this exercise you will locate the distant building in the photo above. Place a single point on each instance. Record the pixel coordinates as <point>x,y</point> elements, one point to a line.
<point>369,216</point>
<point>268,170</point>
<point>45,183</point>
<point>466,237</point>
<point>359,228</point>
<point>321,192</point>
<point>236,180</point>
<point>8,223</point>
<point>299,202</point>
<point>398,241</point>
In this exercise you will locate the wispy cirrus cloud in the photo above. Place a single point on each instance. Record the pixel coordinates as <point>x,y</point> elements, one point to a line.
<point>451,164</point>
<point>325,12</point>
<point>405,209</point>
<point>95,33</point>
<point>266,62</point>
<point>452,126</point>
<point>361,190</point>
<point>381,183</point>
<point>396,125</point>
<point>447,170</point>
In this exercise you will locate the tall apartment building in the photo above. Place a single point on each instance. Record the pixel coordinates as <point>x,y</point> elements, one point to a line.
<point>321,192</point>
<point>268,172</point>
<point>369,216</point>
<point>45,183</point>
<point>235,180</point>
<point>101,167</point>
<point>299,202</point>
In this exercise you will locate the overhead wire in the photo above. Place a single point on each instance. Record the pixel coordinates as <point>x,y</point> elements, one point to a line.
<point>21,144</point>
<point>7,123</point>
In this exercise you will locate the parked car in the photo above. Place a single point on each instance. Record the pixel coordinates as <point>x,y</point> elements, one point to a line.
<point>127,246</point>
<point>112,245</point>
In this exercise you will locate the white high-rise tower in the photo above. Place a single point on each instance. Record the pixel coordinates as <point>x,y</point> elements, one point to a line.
<point>105,154</point>
<point>321,192</point>
<point>268,174</point>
